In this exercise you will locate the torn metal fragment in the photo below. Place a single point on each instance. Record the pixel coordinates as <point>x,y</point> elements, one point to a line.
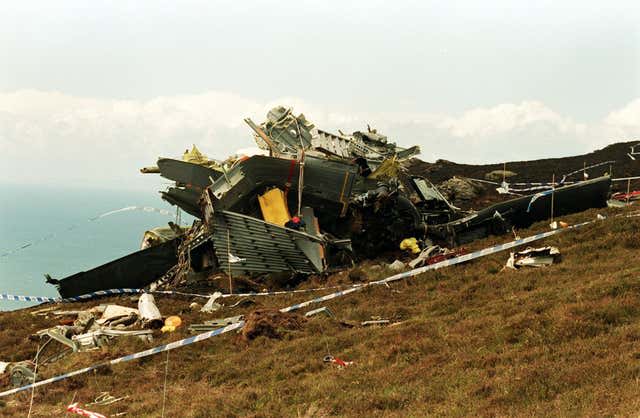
<point>533,257</point>
<point>323,310</point>
<point>375,322</point>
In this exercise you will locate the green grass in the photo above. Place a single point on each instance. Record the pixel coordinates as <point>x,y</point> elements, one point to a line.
<point>471,340</point>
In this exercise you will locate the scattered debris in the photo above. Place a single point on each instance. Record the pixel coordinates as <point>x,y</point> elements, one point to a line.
<point>105,398</point>
<point>341,363</point>
<point>215,323</point>
<point>242,303</point>
<point>171,323</point>
<point>149,313</point>
<point>44,311</point>
<point>435,254</point>
<point>74,408</point>
<point>410,244</point>
<point>534,257</point>
<point>21,373</point>
<point>313,202</point>
<point>635,151</point>
<point>112,315</point>
<point>323,310</point>
<point>212,305</point>
<point>375,322</point>
<point>558,224</point>
<point>626,197</point>
<point>100,337</point>
<point>160,235</point>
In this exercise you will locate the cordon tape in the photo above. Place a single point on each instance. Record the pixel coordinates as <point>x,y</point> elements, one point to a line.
<point>239,325</point>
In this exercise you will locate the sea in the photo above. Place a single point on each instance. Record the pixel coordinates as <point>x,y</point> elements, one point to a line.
<point>61,230</point>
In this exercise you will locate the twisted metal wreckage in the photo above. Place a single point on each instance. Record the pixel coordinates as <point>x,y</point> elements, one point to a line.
<point>351,198</point>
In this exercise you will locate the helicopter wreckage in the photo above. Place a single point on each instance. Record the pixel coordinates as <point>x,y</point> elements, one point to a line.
<point>316,202</point>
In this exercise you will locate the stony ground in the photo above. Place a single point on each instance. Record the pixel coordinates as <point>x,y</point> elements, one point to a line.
<point>469,340</point>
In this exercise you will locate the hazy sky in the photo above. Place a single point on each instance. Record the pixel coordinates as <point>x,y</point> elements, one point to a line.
<point>92,90</point>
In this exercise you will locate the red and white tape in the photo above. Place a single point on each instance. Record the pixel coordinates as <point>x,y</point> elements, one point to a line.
<point>74,408</point>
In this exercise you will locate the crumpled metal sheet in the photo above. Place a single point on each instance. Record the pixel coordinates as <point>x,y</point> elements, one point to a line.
<point>135,270</point>
<point>258,246</point>
<point>533,257</point>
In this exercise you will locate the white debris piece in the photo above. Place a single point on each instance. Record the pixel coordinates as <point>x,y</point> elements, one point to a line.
<point>534,257</point>
<point>114,312</point>
<point>422,258</point>
<point>149,312</point>
<point>212,305</point>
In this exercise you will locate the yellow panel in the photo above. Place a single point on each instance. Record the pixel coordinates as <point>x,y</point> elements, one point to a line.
<point>388,169</point>
<point>274,207</point>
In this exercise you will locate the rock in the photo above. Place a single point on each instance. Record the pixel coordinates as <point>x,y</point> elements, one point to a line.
<point>497,175</point>
<point>397,266</point>
<point>458,190</point>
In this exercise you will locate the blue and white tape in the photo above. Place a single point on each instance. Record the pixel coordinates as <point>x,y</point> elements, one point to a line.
<point>582,170</point>
<point>200,337</point>
<point>99,293</point>
<point>435,266</point>
<point>123,359</point>
<point>113,292</point>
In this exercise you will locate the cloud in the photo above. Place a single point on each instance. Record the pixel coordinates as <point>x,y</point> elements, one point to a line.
<point>51,137</point>
<point>626,118</point>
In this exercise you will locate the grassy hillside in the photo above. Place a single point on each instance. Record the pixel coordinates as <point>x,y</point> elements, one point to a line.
<point>468,340</point>
<point>535,171</point>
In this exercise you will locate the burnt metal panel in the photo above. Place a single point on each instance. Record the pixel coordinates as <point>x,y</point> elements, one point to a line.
<point>184,172</point>
<point>524,211</point>
<point>327,184</point>
<point>185,199</point>
<point>135,270</point>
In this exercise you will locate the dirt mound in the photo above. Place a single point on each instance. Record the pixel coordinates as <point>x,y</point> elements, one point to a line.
<point>270,323</point>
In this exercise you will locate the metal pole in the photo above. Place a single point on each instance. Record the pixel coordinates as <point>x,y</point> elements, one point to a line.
<point>628,190</point>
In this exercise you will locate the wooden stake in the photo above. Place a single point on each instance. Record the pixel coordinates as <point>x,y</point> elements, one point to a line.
<point>553,192</point>
<point>229,260</point>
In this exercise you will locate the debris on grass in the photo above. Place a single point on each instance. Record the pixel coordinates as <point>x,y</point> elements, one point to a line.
<point>534,257</point>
